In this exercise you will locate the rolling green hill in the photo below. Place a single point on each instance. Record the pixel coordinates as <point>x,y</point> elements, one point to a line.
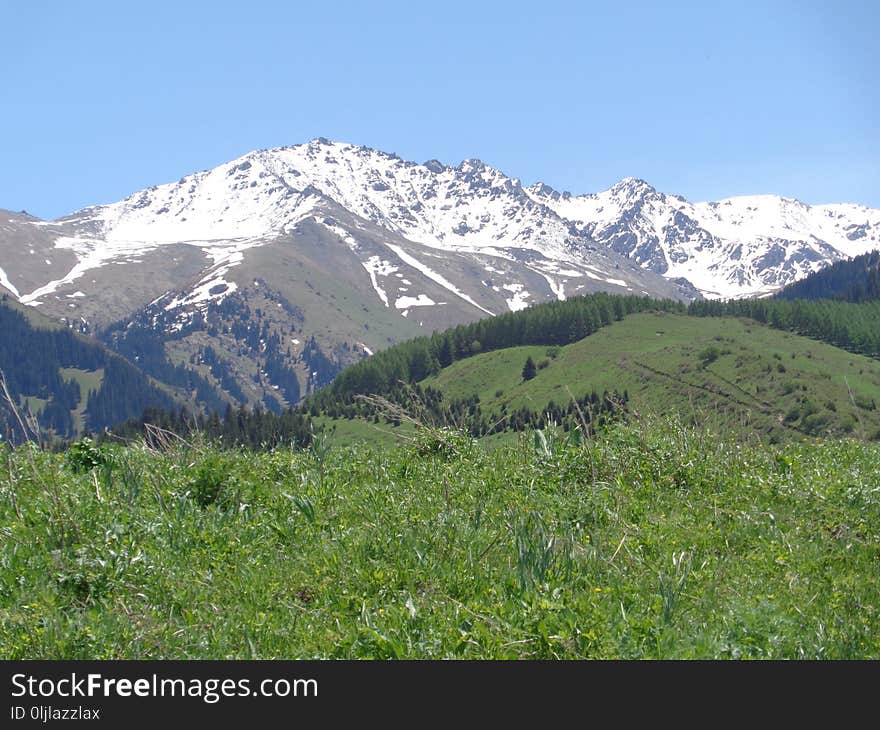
<point>724,370</point>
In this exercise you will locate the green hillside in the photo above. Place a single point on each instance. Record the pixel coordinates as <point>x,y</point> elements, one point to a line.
<point>88,380</point>
<point>763,381</point>
<point>727,371</point>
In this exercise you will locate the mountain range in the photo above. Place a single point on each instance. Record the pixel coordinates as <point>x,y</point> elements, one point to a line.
<point>268,274</point>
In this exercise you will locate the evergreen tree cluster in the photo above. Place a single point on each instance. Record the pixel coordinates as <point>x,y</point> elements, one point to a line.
<point>31,359</point>
<point>123,392</point>
<point>143,342</point>
<point>854,280</point>
<point>321,369</point>
<point>263,339</point>
<point>427,405</point>
<point>530,370</point>
<point>255,429</point>
<point>221,370</point>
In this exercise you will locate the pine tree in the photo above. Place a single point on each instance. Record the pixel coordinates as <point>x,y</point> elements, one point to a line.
<point>529,370</point>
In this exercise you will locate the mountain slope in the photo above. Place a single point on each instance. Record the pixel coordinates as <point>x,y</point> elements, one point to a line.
<point>733,372</point>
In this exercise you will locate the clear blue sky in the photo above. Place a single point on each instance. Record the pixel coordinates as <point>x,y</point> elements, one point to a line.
<point>703,99</point>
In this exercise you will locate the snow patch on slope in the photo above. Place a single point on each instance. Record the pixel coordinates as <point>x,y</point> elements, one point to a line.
<point>90,257</point>
<point>212,286</point>
<point>558,288</point>
<point>4,282</point>
<point>346,237</point>
<point>376,267</point>
<point>422,300</point>
<point>518,300</point>
<point>416,264</point>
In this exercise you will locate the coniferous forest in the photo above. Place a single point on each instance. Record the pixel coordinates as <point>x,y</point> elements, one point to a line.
<point>238,427</point>
<point>32,359</point>
<point>852,280</point>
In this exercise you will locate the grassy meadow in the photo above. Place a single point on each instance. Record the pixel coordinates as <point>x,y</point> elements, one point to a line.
<point>655,539</point>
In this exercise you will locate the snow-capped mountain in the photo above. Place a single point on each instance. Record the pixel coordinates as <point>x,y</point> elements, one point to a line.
<point>361,249</point>
<point>472,213</point>
<point>743,246</point>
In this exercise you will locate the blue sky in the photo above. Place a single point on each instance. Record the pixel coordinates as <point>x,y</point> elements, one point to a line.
<point>701,99</point>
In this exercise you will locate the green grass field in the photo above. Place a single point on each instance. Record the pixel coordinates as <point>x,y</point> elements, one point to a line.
<point>358,431</point>
<point>656,540</point>
<point>88,380</point>
<point>32,404</point>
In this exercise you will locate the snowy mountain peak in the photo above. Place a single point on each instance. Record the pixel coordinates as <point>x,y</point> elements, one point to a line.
<point>540,191</point>
<point>632,186</point>
<point>473,164</point>
<point>742,246</point>
<point>435,166</point>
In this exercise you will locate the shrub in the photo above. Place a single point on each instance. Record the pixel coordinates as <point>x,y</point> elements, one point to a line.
<point>863,402</point>
<point>708,355</point>
<point>209,479</point>
<point>815,423</point>
<point>808,408</point>
<point>85,455</point>
<point>440,441</point>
